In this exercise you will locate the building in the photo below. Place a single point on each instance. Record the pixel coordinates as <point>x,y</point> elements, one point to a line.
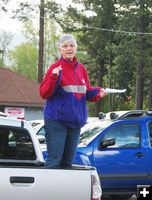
<point>19,96</point>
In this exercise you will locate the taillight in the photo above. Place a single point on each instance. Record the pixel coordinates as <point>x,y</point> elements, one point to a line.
<point>96,187</point>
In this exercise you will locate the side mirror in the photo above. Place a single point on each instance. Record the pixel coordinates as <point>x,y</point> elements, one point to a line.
<point>41,139</point>
<point>107,142</point>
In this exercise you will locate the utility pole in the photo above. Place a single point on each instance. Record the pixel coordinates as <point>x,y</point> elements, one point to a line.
<point>41,42</point>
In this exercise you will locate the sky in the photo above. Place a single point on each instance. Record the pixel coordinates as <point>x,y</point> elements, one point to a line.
<point>13,25</point>
<point>8,24</point>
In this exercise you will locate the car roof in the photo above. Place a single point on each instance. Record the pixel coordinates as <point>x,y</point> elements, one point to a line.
<point>8,121</point>
<point>116,115</point>
<point>2,114</point>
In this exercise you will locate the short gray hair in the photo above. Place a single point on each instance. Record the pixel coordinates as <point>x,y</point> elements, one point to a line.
<point>67,37</point>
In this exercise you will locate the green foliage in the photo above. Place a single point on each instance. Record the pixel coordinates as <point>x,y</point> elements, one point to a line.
<point>113,56</point>
<point>24,60</point>
<point>25,11</point>
<point>51,53</point>
<point>133,48</point>
<point>30,32</point>
<point>51,28</point>
<point>108,43</point>
<point>91,38</point>
<point>1,62</point>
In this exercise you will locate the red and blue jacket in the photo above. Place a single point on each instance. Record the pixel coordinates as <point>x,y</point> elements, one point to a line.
<point>67,93</point>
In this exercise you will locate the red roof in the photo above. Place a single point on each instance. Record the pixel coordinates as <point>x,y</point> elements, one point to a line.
<point>17,90</point>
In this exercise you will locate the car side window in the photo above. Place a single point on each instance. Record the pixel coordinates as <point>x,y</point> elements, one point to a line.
<point>125,135</point>
<point>41,131</point>
<point>16,144</point>
<point>150,132</point>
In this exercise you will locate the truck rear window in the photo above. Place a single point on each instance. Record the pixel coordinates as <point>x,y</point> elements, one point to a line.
<point>16,144</point>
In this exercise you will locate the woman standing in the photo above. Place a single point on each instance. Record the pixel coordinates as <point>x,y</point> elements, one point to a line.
<point>66,88</point>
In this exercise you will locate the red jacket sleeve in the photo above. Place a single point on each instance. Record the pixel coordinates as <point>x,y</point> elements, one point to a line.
<point>48,84</point>
<point>93,93</point>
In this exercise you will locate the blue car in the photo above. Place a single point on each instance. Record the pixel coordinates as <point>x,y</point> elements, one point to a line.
<point>121,150</point>
<point>119,145</point>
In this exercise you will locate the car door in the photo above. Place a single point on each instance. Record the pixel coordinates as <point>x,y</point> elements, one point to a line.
<point>150,150</point>
<point>124,164</point>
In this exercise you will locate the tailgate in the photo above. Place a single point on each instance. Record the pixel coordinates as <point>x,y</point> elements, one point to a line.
<point>46,184</point>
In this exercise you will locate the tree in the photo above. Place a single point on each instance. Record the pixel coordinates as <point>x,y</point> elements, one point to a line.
<point>24,60</point>
<point>112,44</point>
<point>3,5</point>
<point>140,63</point>
<point>93,39</point>
<point>31,34</point>
<point>42,8</point>
<point>41,42</point>
<point>150,95</point>
<point>51,37</point>
<point>5,40</point>
<point>135,18</point>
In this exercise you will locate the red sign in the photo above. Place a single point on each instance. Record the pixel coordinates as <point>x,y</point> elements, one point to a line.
<point>15,112</point>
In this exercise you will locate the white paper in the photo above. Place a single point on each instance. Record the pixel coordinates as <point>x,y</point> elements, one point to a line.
<point>110,90</point>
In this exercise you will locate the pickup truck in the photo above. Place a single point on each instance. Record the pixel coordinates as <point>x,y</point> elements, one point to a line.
<point>120,147</point>
<point>24,176</point>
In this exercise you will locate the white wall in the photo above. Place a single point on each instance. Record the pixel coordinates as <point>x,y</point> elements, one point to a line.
<point>33,113</point>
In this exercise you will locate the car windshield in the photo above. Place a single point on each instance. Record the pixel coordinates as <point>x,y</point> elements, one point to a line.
<point>91,132</point>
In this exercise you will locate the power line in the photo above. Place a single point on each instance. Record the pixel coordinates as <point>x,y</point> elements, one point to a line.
<point>119,31</point>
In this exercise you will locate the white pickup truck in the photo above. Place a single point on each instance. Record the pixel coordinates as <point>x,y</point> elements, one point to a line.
<point>24,177</point>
